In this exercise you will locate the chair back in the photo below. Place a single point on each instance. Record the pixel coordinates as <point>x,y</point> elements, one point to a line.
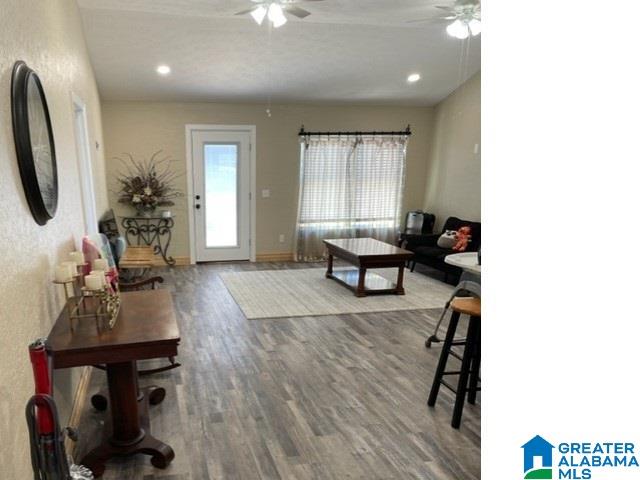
<point>418,222</point>
<point>108,226</point>
<point>466,287</point>
<point>97,246</point>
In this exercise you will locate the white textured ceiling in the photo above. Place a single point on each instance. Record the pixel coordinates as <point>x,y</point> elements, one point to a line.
<point>347,51</point>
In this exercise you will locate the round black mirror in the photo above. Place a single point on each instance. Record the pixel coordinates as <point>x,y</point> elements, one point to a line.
<point>34,143</point>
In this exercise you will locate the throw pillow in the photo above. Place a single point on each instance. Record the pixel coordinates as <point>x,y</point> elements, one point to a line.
<point>463,237</point>
<point>447,239</point>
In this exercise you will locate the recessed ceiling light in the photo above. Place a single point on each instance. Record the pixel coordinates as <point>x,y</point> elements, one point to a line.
<point>163,69</point>
<point>414,77</point>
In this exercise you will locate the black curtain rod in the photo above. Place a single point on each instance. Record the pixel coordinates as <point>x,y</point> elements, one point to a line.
<point>303,133</point>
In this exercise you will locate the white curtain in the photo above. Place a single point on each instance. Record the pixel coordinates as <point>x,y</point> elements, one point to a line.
<point>350,187</point>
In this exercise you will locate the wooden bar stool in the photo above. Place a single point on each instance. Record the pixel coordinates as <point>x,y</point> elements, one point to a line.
<point>469,373</point>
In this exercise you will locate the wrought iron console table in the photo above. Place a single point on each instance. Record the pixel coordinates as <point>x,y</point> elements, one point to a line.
<point>152,231</point>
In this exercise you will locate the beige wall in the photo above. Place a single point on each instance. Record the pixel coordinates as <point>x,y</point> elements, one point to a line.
<point>47,35</point>
<point>453,178</point>
<point>141,128</point>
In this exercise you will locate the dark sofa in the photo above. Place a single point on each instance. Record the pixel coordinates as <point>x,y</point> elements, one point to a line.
<point>427,251</point>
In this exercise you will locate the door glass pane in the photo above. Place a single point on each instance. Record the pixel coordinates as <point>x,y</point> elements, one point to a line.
<point>221,195</point>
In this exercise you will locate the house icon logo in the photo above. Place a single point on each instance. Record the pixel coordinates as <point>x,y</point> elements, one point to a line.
<point>539,448</point>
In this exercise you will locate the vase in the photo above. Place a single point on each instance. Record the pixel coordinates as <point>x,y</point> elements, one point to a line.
<point>144,210</point>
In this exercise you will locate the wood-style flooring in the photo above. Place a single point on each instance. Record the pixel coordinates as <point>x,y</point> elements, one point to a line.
<point>333,397</point>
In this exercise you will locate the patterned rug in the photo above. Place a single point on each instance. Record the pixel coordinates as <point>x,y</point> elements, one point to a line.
<point>306,292</point>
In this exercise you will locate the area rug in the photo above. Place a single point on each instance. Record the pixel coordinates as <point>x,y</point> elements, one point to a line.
<point>306,292</point>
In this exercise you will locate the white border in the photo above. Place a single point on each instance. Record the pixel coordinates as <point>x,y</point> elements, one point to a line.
<point>189,129</point>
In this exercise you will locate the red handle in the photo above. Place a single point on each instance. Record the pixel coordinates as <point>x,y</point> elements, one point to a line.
<point>42,380</point>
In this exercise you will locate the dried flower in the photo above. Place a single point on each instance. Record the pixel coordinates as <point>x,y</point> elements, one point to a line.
<point>148,184</point>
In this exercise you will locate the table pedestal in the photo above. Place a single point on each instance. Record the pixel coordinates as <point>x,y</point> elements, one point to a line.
<point>130,429</point>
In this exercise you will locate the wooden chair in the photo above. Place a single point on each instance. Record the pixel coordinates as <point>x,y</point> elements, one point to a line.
<point>137,259</point>
<point>133,262</point>
<point>98,246</point>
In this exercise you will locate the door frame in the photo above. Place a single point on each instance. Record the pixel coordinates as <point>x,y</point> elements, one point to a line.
<point>85,164</point>
<point>251,129</point>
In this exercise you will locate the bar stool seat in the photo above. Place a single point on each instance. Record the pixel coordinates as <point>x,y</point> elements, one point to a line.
<point>469,373</point>
<point>466,306</point>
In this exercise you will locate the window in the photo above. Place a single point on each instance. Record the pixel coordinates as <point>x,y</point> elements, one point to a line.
<point>349,187</point>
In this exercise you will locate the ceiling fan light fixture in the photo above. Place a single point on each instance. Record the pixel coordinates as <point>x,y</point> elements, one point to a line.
<point>475,27</point>
<point>259,13</point>
<point>276,15</point>
<point>458,29</point>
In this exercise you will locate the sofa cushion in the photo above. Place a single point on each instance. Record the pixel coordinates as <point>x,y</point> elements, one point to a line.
<point>433,252</point>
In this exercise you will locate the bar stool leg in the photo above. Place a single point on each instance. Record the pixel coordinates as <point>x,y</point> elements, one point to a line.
<point>442,363</point>
<point>475,369</point>
<point>463,380</point>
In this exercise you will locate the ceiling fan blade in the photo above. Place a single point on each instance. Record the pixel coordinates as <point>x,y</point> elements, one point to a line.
<point>296,11</point>
<point>244,12</point>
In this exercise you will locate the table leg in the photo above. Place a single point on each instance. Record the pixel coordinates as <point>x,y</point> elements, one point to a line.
<point>399,287</point>
<point>129,420</point>
<point>362,275</point>
<point>123,393</point>
<point>329,266</point>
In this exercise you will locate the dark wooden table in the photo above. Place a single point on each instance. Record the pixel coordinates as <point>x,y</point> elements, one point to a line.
<point>365,253</point>
<point>146,328</point>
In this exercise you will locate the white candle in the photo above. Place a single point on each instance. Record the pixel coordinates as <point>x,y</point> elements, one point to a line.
<point>77,257</point>
<point>100,264</point>
<point>72,267</point>
<point>93,282</point>
<point>99,273</point>
<point>63,274</point>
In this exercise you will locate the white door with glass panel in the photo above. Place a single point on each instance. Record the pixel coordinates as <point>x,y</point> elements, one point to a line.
<point>221,188</point>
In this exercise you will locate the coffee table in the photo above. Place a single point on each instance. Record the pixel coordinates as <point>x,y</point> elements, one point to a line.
<point>365,253</point>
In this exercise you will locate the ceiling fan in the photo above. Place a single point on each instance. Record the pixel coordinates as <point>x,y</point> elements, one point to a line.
<point>465,15</point>
<point>275,10</point>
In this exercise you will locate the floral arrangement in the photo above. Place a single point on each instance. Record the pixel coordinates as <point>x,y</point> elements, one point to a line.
<point>147,184</point>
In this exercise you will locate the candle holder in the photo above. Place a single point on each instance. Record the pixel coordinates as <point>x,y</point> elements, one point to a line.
<point>101,304</point>
<point>72,287</point>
